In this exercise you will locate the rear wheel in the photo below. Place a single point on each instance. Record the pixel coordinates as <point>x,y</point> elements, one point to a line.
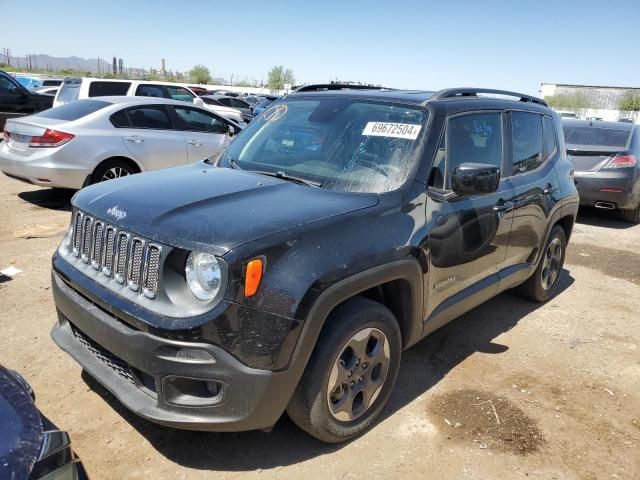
<point>542,285</point>
<point>631,215</point>
<point>112,169</point>
<point>350,374</point>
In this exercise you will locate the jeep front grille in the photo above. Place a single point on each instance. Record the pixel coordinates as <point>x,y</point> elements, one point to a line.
<point>116,253</point>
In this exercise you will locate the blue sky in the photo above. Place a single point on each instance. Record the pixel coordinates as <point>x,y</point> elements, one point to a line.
<point>402,44</point>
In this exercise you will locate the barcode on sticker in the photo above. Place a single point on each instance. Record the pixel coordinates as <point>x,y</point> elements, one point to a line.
<point>396,130</point>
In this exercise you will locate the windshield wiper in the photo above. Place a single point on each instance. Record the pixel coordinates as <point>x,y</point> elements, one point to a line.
<point>283,176</point>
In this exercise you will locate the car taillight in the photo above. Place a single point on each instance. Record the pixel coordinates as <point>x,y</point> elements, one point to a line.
<point>50,138</point>
<point>622,161</point>
<point>6,135</point>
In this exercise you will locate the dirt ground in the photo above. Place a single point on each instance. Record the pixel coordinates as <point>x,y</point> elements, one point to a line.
<point>510,390</point>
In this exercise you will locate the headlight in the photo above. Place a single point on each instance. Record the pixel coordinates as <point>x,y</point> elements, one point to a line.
<point>204,275</point>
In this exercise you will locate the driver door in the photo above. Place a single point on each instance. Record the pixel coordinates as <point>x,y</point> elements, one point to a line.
<point>468,235</point>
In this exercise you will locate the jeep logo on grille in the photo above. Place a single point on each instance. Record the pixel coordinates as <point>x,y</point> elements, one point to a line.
<point>116,213</point>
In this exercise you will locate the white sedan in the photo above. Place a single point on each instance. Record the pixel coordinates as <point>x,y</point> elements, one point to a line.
<point>88,141</point>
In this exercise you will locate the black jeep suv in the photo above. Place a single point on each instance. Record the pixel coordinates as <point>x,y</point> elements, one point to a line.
<point>339,228</point>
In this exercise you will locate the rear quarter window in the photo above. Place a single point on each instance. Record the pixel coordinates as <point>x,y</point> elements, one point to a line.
<point>596,136</point>
<point>69,91</point>
<point>104,89</point>
<point>74,110</point>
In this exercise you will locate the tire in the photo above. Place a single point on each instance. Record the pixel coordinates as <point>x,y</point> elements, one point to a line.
<point>540,287</point>
<point>111,169</point>
<point>310,408</point>
<point>631,215</point>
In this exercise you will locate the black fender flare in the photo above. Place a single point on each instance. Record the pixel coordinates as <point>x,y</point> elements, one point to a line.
<point>406,269</point>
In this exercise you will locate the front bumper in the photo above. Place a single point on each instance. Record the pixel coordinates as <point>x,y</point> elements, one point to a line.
<point>42,168</point>
<point>140,369</point>
<point>590,186</point>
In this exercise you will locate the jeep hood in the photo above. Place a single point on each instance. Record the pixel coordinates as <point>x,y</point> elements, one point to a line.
<point>210,209</point>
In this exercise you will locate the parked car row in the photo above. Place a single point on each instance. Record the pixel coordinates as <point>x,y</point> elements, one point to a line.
<point>81,88</point>
<point>155,267</point>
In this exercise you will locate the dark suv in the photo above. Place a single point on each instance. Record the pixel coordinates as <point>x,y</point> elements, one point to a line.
<point>338,229</point>
<point>17,101</point>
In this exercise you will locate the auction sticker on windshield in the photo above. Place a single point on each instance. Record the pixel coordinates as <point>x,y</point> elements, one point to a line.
<point>396,130</point>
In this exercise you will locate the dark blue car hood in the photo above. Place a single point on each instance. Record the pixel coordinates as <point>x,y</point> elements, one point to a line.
<point>20,428</point>
<point>212,209</point>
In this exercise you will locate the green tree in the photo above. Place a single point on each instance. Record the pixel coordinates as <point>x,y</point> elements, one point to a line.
<point>200,74</point>
<point>630,102</point>
<point>567,101</point>
<point>278,76</point>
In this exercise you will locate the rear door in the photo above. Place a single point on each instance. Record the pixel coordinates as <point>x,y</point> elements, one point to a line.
<point>205,133</point>
<point>533,144</point>
<point>151,137</point>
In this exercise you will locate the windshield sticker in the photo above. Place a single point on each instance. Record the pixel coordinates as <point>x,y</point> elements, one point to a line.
<point>395,130</point>
<point>275,113</point>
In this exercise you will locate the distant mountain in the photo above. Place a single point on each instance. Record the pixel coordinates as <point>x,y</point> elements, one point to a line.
<point>48,62</point>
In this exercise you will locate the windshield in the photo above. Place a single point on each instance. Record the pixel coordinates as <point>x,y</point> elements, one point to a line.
<point>594,136</point>
<point>349,145</point>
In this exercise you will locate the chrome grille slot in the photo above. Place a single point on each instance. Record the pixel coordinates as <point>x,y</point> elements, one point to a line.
<point>121,256</point>
<point>151,271</point>
<point>96,248</point>
<point>109,245</point>
<point>135,264</point>
<point>86,238</point>
<point>133,261</point>
<point>77,233</point>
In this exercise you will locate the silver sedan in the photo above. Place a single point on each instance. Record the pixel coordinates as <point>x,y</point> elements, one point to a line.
<point>92,140</point>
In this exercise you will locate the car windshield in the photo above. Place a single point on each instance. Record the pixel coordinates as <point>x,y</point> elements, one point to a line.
<point>596,136</point>
<point>348,145</point>
<point>73,110</point>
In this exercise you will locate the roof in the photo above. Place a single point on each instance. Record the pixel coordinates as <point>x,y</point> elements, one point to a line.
<point>406,96</point>
<point>420,97</point>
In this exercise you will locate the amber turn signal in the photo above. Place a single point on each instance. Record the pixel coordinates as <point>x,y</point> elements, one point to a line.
<point>252,277</point>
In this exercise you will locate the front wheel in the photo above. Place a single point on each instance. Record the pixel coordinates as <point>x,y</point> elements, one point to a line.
<point>542,285</point>
<point>350,374</point>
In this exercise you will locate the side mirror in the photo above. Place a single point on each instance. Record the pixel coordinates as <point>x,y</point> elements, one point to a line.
<point>474,178</point>
<point>231,131</point>
<point>198,101</point>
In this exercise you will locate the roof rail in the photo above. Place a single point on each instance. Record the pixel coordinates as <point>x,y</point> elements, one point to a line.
<point>473,92</point>
<point>319,87</point>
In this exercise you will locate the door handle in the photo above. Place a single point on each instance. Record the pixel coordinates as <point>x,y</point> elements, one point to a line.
<point>503,208</point>
<point>135,139</point>
<point>195,143</point>
<point>550,189</point>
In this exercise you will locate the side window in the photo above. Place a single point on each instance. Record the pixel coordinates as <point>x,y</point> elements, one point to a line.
<point>120,119</point>
<point>473,138</point>
<point>103,89</point>
<point>526,138</point>
<point>149,91</point>
<point>197,121</point>
<point>226,102</point>
<point>7,86</point>
<point>239,103</point>
<point>149,117</point>
<point>179,93</point>
<point>550,142</point>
